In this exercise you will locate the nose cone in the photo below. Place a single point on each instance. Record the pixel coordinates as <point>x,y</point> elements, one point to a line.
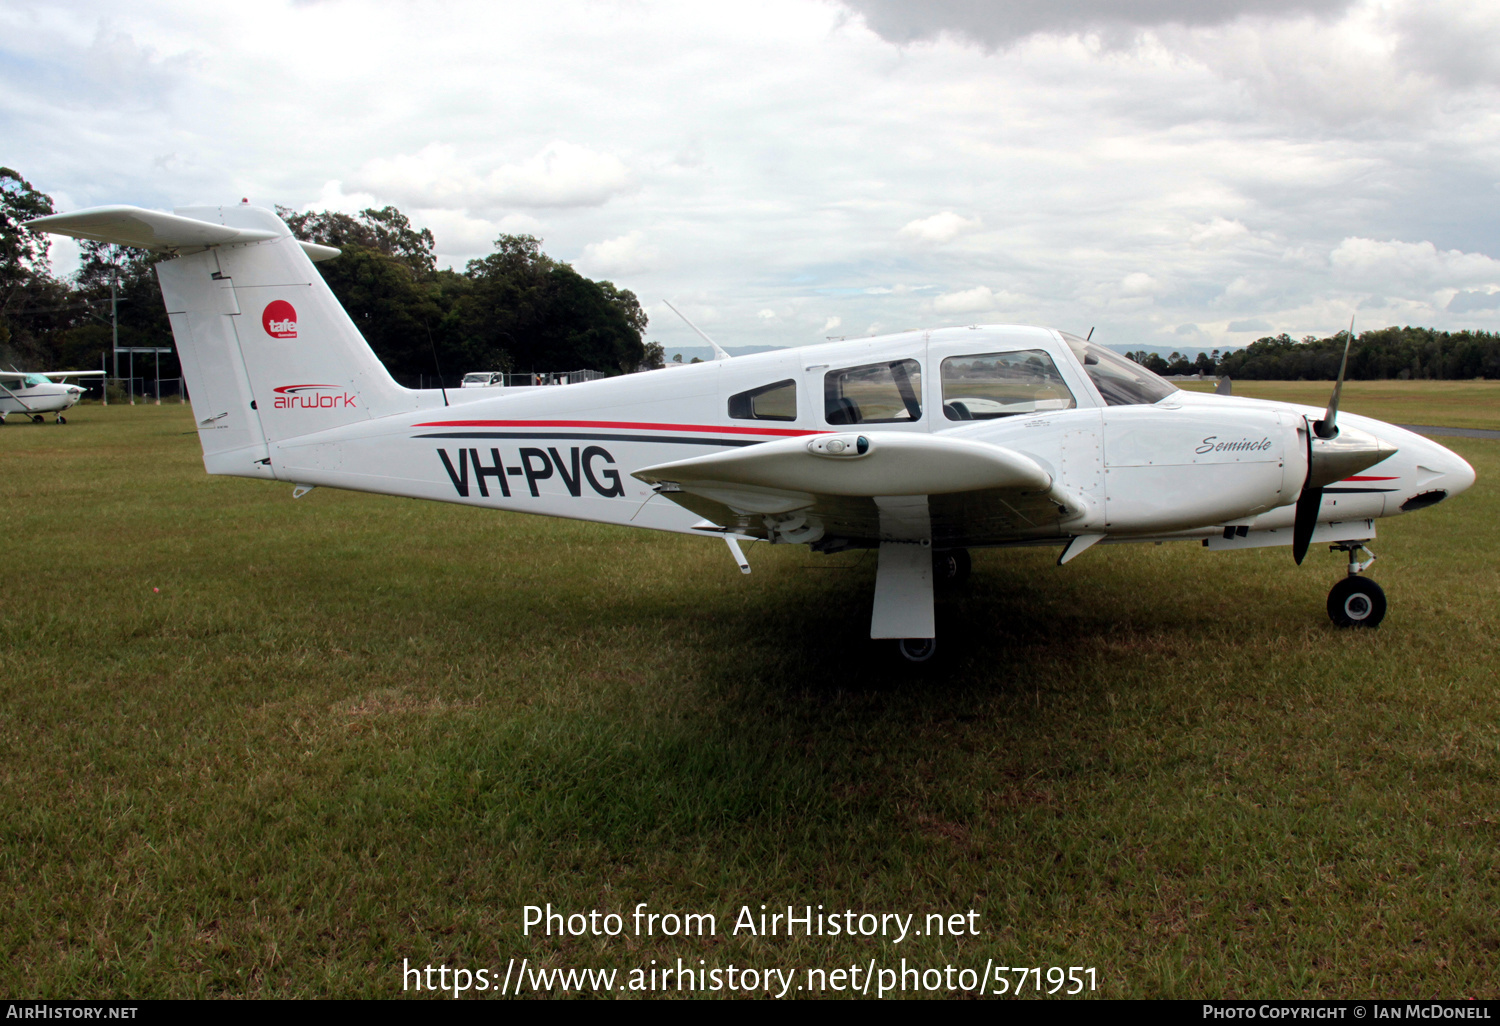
<point>1457,474</point>
<point>1440,474</point>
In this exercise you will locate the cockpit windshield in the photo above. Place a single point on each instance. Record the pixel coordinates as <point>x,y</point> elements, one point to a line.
<point>1121,381</point>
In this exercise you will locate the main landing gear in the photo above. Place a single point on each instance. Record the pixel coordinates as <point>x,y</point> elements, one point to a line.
<point>903,594</point>
<point>950,566</point>
<point>917,650</point>
<point>1356,601</point>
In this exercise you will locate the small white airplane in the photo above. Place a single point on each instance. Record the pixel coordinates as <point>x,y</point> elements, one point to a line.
<point>37,393</point>
<point>921,445</point>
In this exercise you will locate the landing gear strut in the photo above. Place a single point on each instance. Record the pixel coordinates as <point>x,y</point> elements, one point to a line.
<point>1356,601</point>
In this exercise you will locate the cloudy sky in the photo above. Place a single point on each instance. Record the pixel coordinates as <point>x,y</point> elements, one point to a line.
<point>1172,172</point>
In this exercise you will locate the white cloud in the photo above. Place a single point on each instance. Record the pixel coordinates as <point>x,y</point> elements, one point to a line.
<point>333,197</point>
<point>972,300</point>
<point>626,254</point>
<point>831,323</point>
<point>767,314</point>
<point>1217,232</point>
<point>459,234</point>
<point>1139,283</point>
<point>938,229</point>
<point>1369,263</point>
<point>560,175</point>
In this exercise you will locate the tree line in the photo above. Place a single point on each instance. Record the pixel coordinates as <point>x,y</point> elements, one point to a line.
<point>1402,353</point>
<point>516,309</point>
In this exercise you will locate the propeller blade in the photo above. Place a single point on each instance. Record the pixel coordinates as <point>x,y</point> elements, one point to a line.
<point>1328,427</point>
<point>1308,504</point>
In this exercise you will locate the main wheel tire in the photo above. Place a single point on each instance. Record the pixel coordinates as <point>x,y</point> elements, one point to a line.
<point>1356,602</point>
<point>917,650</point>
<point>951,566</point>
<point>37,418</point>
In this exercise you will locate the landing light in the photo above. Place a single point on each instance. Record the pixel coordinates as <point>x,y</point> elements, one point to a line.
<point>841,446</point>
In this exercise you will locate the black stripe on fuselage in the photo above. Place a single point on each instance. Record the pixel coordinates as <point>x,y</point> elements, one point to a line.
<point>672,440</point>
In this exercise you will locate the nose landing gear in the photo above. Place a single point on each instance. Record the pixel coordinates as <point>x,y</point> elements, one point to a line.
<point>1356,601</point>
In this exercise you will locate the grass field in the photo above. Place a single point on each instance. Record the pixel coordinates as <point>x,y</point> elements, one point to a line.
<point>1465,404</point>
<point>258,747</point>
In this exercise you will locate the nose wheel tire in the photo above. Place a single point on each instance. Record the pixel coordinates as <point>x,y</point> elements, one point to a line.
<point>1356,602</point>
<point>61,419</point>
<point>917,650</point>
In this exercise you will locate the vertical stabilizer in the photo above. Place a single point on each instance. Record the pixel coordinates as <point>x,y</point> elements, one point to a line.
<point>267,350</point>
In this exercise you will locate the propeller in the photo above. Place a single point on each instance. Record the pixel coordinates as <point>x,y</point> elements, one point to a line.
<point>1333,453</point>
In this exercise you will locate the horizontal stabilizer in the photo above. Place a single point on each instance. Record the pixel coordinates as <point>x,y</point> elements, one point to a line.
<point>149,229</point>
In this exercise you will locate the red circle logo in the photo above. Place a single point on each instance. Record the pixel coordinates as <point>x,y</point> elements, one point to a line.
<point>280,319</point>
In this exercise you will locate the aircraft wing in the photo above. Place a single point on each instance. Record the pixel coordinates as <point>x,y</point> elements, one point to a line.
<point>149,229</point>
<point>869,487</point>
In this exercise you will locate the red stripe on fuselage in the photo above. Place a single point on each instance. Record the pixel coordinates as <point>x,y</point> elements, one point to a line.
<point>618,424</point>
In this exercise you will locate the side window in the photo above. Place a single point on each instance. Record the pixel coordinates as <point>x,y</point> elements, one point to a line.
<point>1002,385</point>
<point>768,402</point>
<point>873,394</point>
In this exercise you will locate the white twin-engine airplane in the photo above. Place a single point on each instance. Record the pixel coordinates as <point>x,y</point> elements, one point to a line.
<point>921,445</point>
<point>35,394</point>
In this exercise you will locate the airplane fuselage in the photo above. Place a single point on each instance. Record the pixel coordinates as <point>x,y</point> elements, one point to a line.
<point>1185,466</point>
<point>29,400</point>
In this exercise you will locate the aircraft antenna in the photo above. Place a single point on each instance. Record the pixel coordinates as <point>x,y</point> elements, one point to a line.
<point>435,363</point>
<point>719,354</point>
<point>1089,336</point>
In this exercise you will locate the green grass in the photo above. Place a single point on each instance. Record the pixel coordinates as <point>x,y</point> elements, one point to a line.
<point>1464,404</point>
<point>351,729</point>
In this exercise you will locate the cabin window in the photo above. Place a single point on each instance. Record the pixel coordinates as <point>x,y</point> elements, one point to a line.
<point>877,393</point>
<point>1120,381</point>
<point>994,385</point>
<point>768,402</point>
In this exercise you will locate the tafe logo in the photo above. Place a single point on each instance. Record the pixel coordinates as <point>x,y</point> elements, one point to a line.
<point>280,319</point>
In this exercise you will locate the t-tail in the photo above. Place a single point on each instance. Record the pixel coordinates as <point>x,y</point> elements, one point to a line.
<point>267,351</point>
